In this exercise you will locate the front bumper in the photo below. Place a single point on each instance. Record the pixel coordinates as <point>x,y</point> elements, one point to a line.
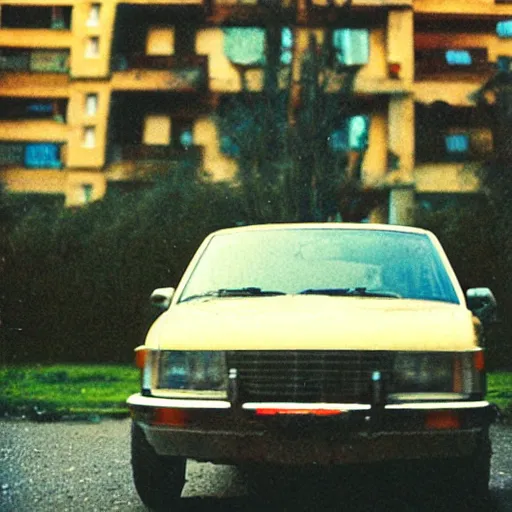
<point>300,434</point>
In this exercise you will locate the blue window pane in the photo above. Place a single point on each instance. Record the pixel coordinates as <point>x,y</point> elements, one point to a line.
<point>40,108</point>
<point>504,28</point>
<point>457,143</point>
<point>42,156</point>
<point>458,58</point>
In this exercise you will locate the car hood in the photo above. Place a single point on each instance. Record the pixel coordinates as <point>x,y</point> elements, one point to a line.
<point>313,322</point>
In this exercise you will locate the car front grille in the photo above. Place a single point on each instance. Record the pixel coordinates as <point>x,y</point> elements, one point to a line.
<point>308,375</point>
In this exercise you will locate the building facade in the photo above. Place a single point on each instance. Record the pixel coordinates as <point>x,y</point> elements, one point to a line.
<point>97,94</point>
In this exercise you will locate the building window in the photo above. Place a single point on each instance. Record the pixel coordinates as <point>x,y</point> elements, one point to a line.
<point>36,17</point>
<point>89,137</point>
<point>33,108</point>
<point>93,19</point>
<point>351,46</point>
<point>42,156</point>
<point>352,136</point>
<point>245,46</point>
<point>91,104</point>
<point>504,28</point>
<point>431,61</point>
<point>457,144</point>
<point>92,47</point>
<point>458,58</point>
<point>57,21</point>
<point>286,46</point>
<point>182,133</point>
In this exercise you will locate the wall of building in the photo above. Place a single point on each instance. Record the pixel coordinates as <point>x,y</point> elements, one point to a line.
<point>81,67</point>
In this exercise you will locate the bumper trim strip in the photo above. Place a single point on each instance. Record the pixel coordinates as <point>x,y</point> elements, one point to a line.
<point>174,403</point>
<point>251,406</point>
<point>440,405</point>
<point>137,400</point>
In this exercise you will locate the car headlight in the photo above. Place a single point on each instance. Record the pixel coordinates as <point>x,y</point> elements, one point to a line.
<point>189,374</point>
<point>437,375</point>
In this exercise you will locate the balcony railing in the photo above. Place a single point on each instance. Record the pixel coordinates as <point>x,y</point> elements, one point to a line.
<point>142,152</point>
<point>37,61</point>
<point>454,145</point>
<point>36,155</point>
<point>186,73</point>
<point>429,62</point>
<point>124,62</point>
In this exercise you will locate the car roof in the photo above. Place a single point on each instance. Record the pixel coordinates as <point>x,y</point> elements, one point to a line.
<point>324,225</point>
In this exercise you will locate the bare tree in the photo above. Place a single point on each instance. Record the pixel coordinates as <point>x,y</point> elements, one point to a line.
<point>289,165</point>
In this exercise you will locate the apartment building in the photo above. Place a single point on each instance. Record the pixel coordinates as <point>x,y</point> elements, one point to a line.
<point>104,93</point>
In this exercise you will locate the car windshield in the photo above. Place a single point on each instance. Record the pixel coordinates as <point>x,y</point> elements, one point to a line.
<point>337,262</point>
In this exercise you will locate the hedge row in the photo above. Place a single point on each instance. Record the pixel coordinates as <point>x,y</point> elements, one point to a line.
<point>76,283</point>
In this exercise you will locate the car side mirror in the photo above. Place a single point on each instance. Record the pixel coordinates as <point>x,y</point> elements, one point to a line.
<point>482,303</point>
<point>161,298</point>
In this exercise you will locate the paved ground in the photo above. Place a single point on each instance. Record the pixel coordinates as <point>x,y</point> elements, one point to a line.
<point>85,467</point>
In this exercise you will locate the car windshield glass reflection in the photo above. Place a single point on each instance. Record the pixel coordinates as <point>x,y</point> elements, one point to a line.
<point>333,262</point>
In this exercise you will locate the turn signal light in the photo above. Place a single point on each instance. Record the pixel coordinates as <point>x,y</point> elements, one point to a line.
<point>140,357</point>
<point>170,417</point>
<point>479,360</point>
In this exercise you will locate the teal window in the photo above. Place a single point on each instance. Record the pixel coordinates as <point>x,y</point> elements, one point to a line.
<point>245,46</point>
<point>352,46</point>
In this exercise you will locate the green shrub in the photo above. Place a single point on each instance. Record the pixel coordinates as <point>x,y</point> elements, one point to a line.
<point>77,282</point>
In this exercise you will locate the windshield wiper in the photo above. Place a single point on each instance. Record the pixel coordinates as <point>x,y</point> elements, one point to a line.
<point>250,291</point>
<point>349,292</point>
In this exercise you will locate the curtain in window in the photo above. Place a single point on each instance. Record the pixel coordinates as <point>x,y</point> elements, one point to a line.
<point>245,46</point>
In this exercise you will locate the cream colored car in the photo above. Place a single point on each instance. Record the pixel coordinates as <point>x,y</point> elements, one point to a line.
<point>360,332</point>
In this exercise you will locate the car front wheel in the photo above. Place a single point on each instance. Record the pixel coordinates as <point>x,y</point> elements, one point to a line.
<point>159,480</point>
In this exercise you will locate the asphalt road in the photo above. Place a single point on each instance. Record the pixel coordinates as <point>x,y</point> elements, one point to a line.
<point>86,467</point>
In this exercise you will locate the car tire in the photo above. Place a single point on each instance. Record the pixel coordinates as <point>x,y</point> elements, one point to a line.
<point>159,480</point>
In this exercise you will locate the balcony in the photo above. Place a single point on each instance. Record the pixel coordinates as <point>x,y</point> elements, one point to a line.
<point>454,145</point>
<point>33,155</point>
<point>34,61</point>
<point>34,129</point>
<point>36,17</point>
<point>146,162</point>
<point>35,38</point>
<point>142,152</point>
<point>451,64</point>
<point>171,73</point>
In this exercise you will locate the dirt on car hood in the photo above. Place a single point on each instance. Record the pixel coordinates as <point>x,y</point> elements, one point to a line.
<point>313,322</point>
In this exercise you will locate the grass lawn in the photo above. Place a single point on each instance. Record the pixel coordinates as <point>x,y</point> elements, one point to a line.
<point>499,390</point>
<point>71,389</point>
<point>101,390</point>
